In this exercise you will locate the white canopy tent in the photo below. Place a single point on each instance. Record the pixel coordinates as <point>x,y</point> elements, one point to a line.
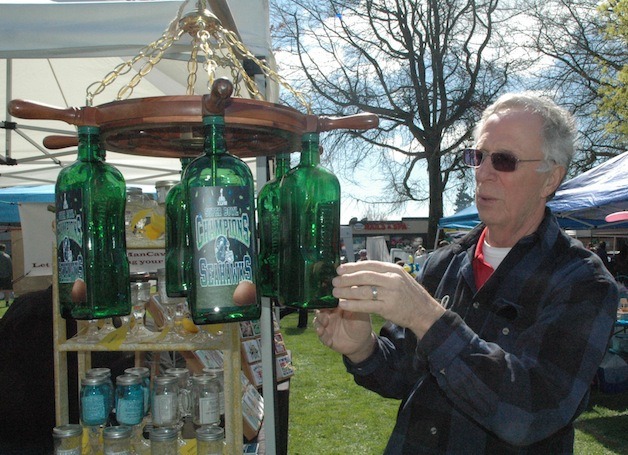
<point>52,51</point>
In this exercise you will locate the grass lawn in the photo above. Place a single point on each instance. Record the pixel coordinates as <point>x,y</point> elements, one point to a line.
<point>331,415</point>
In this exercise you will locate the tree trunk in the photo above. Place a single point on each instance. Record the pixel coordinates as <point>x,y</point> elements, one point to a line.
<point>436,196</point>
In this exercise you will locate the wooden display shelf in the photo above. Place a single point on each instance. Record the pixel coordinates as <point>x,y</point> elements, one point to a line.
<point>228,342</point>
<point>218,343</point>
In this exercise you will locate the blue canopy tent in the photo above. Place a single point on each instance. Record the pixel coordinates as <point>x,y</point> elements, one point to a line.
<point>580,203</point>
<point>466,218</point>
<point>584,201</point>
<point>10,198</point>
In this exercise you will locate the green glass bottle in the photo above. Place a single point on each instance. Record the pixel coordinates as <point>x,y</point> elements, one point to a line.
<point>177,238</point>
<point>222,272</point>
<point>269,217</point>
<point>93,269</point>
<point>310,207</point>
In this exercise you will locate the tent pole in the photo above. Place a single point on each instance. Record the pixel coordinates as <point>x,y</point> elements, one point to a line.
<point>9,95</point>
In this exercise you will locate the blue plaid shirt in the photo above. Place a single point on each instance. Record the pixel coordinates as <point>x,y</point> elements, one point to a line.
<point>507,368</point>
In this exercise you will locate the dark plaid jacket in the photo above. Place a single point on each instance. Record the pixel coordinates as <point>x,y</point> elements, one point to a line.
<point>507,368</point>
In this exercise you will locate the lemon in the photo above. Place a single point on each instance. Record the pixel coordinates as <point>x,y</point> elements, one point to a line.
<point>189,326</point>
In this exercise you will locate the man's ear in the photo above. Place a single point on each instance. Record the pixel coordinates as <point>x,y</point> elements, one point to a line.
<point>553,181</point>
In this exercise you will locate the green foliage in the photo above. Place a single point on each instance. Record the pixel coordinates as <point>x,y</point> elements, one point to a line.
<point>331,415</point>
<point>614,91</point>
<point>603,427</point>
<point>463,198</point>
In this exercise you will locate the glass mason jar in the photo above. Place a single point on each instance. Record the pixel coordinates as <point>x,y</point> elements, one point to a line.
<point>129,399</point>
<point>144,225</point>
<point>165,401</point>
<point>220,374</point>
<point>164,441</point>
<point>143,373</point>
<point>185,389</point>
<point>117,440</point>
<point>163,187</point>
<point>106,373</point>
<point>94,402</point>
<point>68,439</point>
<point>205,398</point>
<point>210,440</point>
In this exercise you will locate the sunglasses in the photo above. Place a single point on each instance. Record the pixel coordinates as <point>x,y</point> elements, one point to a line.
<point>501,161</point>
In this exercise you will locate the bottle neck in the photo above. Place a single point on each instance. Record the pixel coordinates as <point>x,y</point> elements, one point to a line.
<point>184,162</point>
<point>89,144</point>
<point>283,165</point>
<point>310,153</point>
<point>214,134</point>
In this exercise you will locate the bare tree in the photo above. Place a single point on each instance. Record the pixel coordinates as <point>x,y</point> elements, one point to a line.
<point>426,67</point>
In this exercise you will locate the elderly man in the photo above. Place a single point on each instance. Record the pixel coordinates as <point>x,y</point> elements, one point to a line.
<point>495,350</point>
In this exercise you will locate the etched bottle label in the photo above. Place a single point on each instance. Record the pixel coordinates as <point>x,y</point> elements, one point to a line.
<point>69,226</point>
<point>328,233</point>
<point>208,410</point>
<point>222,243</point>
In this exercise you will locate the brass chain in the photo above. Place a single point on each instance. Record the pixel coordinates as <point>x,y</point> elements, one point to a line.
<point>192,70</point>
<point>153,53</point>
<point>210,65</point>
<point>225,51</point>
<point>234,43</point>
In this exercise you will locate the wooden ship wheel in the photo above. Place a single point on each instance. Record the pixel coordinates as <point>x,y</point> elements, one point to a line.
<point>171,126</point>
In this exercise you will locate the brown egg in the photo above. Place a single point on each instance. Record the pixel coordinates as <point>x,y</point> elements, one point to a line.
<point>245,293</point>
<point>79,291</point>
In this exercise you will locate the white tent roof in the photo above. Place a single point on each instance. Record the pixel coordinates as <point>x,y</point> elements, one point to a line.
<point>52,51</point>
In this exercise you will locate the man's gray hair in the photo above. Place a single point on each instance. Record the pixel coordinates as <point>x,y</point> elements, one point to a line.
<point>559,126</point>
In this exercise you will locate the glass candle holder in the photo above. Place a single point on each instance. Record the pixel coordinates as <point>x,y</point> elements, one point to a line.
<point>129,400</point>
<point>67,439</point>
<point>144,374</point>
<point>205,399</point>
<point>163,441</point>
<point>210,440</point>
<point>106,373</point>
<point>165,401</point>
<point>185,392</point>
<point>117,440</point>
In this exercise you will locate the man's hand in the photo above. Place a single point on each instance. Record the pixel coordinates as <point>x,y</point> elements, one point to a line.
<point>348,333</point>
<point>388,290</point>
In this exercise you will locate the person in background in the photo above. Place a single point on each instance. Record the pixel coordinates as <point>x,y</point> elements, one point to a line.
<point>420,256</point>
<point>603,254</point>
<point>6,269</point>
<point>621,262</point>
<point>362,255</point>
<point>493,349</point>
<point>443,243</point>
<point>27,395</point>
<point>420,251</point>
